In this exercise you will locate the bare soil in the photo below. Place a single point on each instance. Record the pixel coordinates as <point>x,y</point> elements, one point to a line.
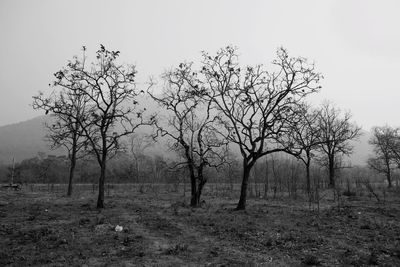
<point>49,229</point>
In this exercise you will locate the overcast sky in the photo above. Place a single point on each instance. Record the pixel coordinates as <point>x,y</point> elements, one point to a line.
<point>355,44</point>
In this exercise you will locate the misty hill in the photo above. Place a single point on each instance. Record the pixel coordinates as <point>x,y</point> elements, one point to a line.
<point>25,139</point>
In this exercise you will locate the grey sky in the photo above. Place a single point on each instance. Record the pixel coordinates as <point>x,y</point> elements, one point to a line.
<point>355,44</point>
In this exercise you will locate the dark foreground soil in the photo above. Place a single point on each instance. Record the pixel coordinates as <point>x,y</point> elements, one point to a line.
<point>48,229</point>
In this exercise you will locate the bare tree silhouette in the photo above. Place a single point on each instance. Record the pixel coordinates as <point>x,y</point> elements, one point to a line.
<point>256,106</point>
<point>305,134</point>
<point>190,123</point>
<point>337,131</point>
<point>109,94</point>
<point>66,106</point>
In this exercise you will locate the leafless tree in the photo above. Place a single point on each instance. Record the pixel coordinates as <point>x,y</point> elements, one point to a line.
<point>137,147</point>
<point>384,141</point>
<point>336,132</point>
<point>109,94</point>
<point>189,123</point>
<point>256,106</point>
<point>305,134</point>
<point>64,131</point>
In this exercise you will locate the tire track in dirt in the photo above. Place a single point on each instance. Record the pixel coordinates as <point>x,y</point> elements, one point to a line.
<point>208,250</point>
<point>174,243</point>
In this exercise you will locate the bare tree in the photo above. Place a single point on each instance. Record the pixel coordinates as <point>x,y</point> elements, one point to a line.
<point>189,123</point>
<point>137,147</point>
<point>256,106</point>
<point>66,106</point>
<point>336,132</point>
<point>110,104</point>
<point>305,134</point>
<point>395,149</point>
<point>384,142</point>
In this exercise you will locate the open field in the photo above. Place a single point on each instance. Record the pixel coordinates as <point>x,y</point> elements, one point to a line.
<point>40,228</point>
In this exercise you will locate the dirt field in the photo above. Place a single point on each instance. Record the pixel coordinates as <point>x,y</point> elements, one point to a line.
<point>48,229</point>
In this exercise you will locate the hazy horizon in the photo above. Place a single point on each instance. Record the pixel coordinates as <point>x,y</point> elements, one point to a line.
<point>353,43</point>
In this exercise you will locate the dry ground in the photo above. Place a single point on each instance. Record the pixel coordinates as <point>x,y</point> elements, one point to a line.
<point>49,229</point>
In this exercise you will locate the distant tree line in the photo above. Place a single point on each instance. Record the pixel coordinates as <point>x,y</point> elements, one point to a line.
<point>275,176</point>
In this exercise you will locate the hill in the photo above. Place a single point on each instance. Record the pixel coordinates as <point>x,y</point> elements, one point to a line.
<point>24,140</point>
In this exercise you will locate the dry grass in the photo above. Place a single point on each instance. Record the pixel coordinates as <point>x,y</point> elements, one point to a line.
<point>48,229</point>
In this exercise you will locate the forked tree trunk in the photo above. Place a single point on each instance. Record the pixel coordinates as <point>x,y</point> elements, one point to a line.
<point>196,189</point>
<point>195,199</point>
<point>197,196</point>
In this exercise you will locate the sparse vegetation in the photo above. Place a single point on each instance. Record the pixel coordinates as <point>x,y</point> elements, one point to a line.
<point>220,119</point>
<point>41,228</point>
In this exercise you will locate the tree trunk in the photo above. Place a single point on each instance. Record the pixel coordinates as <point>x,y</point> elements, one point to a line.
<point>72,166</point>
<point>256,189</point>
<point>193,190</point>
<point>100,199</point>
<point>389,179</point>
<point>331,172</point>
<point>243,190</point>
<point>200,190</point>
<point>195,201</point>
<point>71,176</point>
<point>308,178</point>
